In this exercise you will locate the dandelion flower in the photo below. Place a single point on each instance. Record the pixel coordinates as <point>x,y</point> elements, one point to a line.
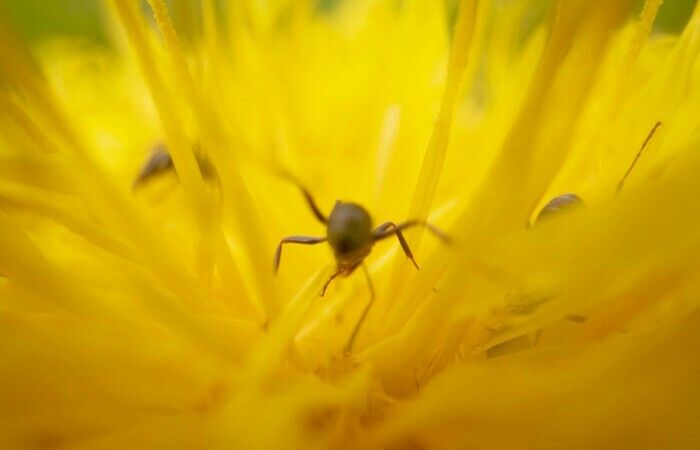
<point>142,312</point>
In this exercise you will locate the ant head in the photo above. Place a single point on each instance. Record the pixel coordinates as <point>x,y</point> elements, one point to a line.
<point>349,231</point>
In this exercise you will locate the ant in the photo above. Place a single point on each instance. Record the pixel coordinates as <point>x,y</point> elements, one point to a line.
<point>349,233</point>
<point>566,202</point>
<point>160,162</point>
<point>555,207</point>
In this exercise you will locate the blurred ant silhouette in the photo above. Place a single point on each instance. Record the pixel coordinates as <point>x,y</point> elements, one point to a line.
<point>160,162</point>
<point>555,207</point>
<point>565,202</point>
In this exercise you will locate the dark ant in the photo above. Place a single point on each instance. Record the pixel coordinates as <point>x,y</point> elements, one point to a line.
<point>559,204</point>
<point>160,162</point>
<point>566,202</point>
<point>349,233</point>
<point>556,206</point>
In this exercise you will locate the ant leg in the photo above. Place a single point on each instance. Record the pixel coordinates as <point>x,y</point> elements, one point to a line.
<point>621,184</point>
<point>348,347</point>
<point>307,195</point>
<point>312,204</point>
<point>383,229</point>
<point>331,278</point>
<point>306,240</point>
<point>387,229</point>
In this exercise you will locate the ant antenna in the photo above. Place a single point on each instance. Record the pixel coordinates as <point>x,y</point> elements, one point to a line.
<point>290,177</point>
<point>621,184</point>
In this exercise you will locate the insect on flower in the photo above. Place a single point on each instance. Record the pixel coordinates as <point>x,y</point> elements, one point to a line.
<point>566,202</point>
<point>349,233</point>
<point>555,207</point>
<point>160,162</point>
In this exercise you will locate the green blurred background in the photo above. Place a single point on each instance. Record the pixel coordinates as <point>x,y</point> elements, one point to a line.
<point>38,19</point>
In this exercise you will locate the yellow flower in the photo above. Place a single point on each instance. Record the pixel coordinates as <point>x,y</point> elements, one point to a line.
<point>148,316</point>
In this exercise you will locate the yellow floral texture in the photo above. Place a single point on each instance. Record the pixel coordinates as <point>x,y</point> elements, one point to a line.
<point>145,314</point>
